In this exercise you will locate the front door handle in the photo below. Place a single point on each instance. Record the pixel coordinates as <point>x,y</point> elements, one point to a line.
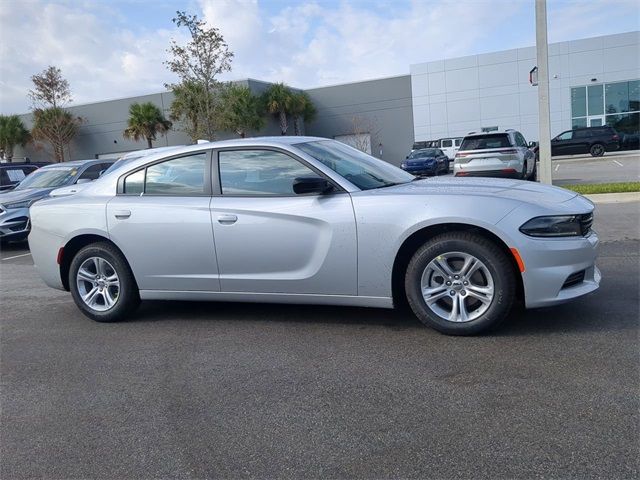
<point>122,214</point>
<point>227,219</point>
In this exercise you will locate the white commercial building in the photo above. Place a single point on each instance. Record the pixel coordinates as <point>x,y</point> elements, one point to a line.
<point>592,82</point>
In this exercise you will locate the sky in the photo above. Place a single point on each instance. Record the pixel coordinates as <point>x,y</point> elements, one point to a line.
<point>115,49</point>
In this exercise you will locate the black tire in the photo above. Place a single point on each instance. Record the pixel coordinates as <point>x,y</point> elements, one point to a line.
<point>597,150</point>
<point>494,259</point>
<point>523,176</point>
<point>128,297</point>
<point>534,173</point>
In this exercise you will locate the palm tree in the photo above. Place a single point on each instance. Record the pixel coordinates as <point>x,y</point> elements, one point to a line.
<point>240,110</point>
<point>301,108</point>
<point>145,121</point>
<point>12,133</point>
<point>276,100</point>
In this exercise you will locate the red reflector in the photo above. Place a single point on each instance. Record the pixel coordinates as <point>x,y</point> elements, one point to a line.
<point>462,174</point>
<point>518,258</point>
<point>60,254</point>
<point>460,155</point>
<point>508,170</point>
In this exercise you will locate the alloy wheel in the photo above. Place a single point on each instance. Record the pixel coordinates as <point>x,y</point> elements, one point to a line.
<point>457,287</point>
<point>98,284</point>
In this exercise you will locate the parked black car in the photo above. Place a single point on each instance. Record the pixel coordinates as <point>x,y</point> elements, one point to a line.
<point>13,173</point>
<point>593,140</point>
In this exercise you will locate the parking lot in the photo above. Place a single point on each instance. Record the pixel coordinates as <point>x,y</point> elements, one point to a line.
<point>281,391</point>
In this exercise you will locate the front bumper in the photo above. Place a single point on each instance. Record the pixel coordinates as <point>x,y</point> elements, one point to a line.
<point>421,169</point>
<point>14,224</point>
<point>553,265</point>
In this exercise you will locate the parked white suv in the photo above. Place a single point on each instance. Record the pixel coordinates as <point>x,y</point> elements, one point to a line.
<point>450,146</point>
<point>495,154</point>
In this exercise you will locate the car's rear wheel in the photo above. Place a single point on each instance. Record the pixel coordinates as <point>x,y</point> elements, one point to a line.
<point>460,283</point>
<point>101,283</point>
<point>597,150</point>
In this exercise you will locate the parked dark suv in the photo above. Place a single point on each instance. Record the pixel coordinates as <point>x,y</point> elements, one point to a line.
<point>593,140</point>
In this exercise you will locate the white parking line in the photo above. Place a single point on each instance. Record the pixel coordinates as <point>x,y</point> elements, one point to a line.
<point>557,167</point>
<point>16,256</point>
<point>616,161</point>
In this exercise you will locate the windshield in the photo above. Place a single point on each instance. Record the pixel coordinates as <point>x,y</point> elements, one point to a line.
<point>364,171</point>
<point>430,152</point>
<point>48,178</point>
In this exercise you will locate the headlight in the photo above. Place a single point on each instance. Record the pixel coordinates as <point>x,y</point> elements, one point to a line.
<point>403,165</point>
<point>555,226</point>
<point>21,204</point>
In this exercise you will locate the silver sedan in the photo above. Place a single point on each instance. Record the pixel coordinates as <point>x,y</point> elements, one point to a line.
<point>311,220</point>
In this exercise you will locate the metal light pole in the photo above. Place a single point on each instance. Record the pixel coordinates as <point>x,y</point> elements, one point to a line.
<point>542,51</point>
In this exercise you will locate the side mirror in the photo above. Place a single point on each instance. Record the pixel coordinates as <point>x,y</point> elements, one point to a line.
<point>304,185</point>
<point>82,180</point>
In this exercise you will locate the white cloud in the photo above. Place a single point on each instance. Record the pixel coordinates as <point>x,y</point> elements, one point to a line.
<point>99,61</point>
<point>304,44</point>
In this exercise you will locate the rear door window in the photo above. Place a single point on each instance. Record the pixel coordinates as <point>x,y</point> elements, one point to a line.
<point>485,142</point>
<point>447,143</point>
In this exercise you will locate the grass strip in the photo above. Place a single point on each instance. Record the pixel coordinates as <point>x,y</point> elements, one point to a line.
<point>594,188</point>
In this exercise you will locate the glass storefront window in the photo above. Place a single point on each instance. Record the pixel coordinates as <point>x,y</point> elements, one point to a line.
<point>616,96</point>
<point>595,100</point>
<point>579,122</point>
<point>615,104</point>
<point>634,96</point>
<point>625,123</point>
<point>578,102</point>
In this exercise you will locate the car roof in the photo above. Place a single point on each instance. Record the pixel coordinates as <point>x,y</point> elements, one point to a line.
<point>79,163</point>
<point>275,141</point>
<point>494,132</point>
<point>19,164</point>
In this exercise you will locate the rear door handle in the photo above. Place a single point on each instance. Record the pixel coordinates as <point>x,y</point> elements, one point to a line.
<point>227,219</point>
<point>122,214</point>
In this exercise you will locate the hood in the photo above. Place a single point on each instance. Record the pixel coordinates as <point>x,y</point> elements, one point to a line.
<point>21,195</point>
<point>528,192</point>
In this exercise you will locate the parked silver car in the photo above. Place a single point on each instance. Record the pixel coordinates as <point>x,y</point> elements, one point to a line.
<point>311,220</point>
<point>495,154</point>
<point>14,205</point>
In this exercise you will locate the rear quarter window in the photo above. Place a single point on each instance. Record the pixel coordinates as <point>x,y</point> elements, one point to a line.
<point>485,142</point>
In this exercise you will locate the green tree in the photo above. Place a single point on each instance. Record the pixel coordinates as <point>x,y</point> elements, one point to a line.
<point>145,121</point>
<point>12,133</point>
<point>52,122</point>
<point>56,126</point>
<point>240,110</point>
<point>302,109</point>
<point>277,100</point>
<point>50,89</point>
<point>197,64</point>
<point>191,107</point>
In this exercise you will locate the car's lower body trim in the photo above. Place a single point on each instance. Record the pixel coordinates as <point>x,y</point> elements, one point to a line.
<point>297,298</point>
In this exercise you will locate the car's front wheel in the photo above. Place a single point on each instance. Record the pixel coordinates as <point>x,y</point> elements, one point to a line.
<point>460,283</point>
<point>101,283</point>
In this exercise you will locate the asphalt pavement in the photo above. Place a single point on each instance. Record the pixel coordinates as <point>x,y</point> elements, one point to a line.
<point>623,167</point>
<point>226,390</point>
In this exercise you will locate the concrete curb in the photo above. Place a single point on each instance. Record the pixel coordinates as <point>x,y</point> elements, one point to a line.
<point>614,197</point>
